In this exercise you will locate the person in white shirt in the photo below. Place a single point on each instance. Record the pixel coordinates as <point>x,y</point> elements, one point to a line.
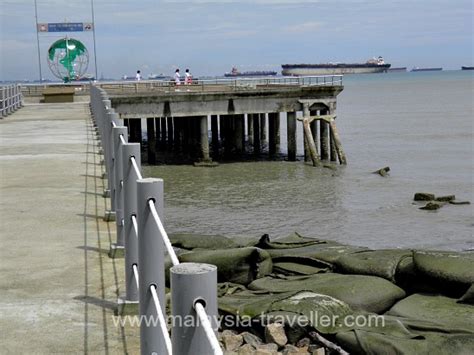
<point>138,77</point>
<point>188,78</point>
<point>177,77</point>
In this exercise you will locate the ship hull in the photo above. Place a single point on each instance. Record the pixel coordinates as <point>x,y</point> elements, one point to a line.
<point>335,70</point>
<point>467,68</point>
<point>426,69</point>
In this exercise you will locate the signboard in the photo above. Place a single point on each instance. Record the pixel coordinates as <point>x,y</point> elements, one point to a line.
<point>65,27</point>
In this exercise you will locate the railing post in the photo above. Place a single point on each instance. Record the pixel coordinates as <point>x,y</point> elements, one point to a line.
<point>191,283</point>
<point>118,178</point>
<point>151,259</point>
<point>4,113</point>
<point>130,178</point>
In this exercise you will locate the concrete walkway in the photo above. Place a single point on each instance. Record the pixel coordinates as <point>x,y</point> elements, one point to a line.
<point>58,287</point>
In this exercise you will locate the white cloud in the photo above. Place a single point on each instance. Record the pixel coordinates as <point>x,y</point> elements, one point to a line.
<point>304,27</point>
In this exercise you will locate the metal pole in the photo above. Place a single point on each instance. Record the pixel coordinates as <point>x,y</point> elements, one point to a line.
<point>118,178</point>
<point>37,42</point>
<point>191,283</point>
<point>93,36</point>
<point>130,209</point>
<point>151,258</point>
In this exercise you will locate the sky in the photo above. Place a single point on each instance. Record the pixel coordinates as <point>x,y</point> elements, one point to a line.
<point>210,37</point>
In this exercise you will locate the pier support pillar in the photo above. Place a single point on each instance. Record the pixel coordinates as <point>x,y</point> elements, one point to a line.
<point>157,134</point>
<point>215,136</point>
<point>239,133</point>
<point>150,132</point>
<point>273,133</point>
<point>314,127</point>
<point>169,121</point>
<point>221,128</point>
<point>291,135</point>
<point>323,136</point>
<point>135,126</point>
<point>204,141</point>
<point>263,128</point>
<point>249,129</point>
<point>256,133</point>
<point>163,133</point>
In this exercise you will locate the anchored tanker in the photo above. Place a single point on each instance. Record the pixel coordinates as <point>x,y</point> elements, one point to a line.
<point>374,65</point>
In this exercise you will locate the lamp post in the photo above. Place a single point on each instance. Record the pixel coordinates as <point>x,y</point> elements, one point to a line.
<point>38,43</point>
<point>93,36</point>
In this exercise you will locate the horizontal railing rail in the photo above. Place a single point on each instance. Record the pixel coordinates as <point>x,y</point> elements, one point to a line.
<point>197,85</point>
<point>221,85</point>
<point>137,204</point>
<point>11,99</point>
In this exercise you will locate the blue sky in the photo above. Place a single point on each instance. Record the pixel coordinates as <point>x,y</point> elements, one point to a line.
<point>210,37</point>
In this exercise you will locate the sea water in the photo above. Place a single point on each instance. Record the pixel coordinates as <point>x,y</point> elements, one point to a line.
<point>418,124</point>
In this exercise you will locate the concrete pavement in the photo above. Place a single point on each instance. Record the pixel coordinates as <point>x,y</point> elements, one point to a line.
<point>58,287</point>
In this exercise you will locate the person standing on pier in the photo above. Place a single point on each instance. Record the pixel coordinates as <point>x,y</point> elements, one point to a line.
<point>177,77</point>
<point>188,78</point>
<point>138,77</point>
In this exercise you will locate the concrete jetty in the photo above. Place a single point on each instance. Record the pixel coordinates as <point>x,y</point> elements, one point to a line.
<point>243,117</point>
<point>58,287</point>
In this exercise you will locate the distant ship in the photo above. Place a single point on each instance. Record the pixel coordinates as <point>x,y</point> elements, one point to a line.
<point>234,72</point>
<point>426,69</point>
<point>467,68</point>
<point>158,76</point>
<point>374,65</point>
<point>397,70</point>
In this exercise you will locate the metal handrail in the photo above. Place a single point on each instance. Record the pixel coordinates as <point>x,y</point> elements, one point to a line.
<point>11,99</point>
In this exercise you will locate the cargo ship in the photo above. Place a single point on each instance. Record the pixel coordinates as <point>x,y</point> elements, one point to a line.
<point>397,70</point>
<point>467,68</point>
<point>374,65</point>
<point>426,69</point>
<point>235,73</point>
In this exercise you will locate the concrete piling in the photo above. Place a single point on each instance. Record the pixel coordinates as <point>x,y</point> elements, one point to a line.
<point>215,136</point>
<point>250,129</point>
<point>239,138</point>
<point>169,121</point>
<point>163,133</point>
<point>324,139</point>
<point>256,133</point>
<point>204,141</point>
<point>150,132</point>
<point>273,133</point>
<point>291,135</point>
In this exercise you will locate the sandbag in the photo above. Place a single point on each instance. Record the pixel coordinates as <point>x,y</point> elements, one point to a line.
<point>410,280</point>
<point>296,265</point>
<point>376,342</point>
<point>294,240</point>
<point>238,265</point>
<point>367,293</point>
<point>452,272</point>
<point>468,297</point>
<point>193,241</point>
<point>382,263</point>
<point>452,316</point>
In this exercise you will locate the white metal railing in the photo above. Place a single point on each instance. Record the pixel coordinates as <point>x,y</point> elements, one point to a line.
<point>219,84</point>
<point>140,231</point>
<point>11,99</point>
<point>198,85</point>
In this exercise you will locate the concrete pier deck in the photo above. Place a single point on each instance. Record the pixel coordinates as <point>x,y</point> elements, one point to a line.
<point>58,287</point>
